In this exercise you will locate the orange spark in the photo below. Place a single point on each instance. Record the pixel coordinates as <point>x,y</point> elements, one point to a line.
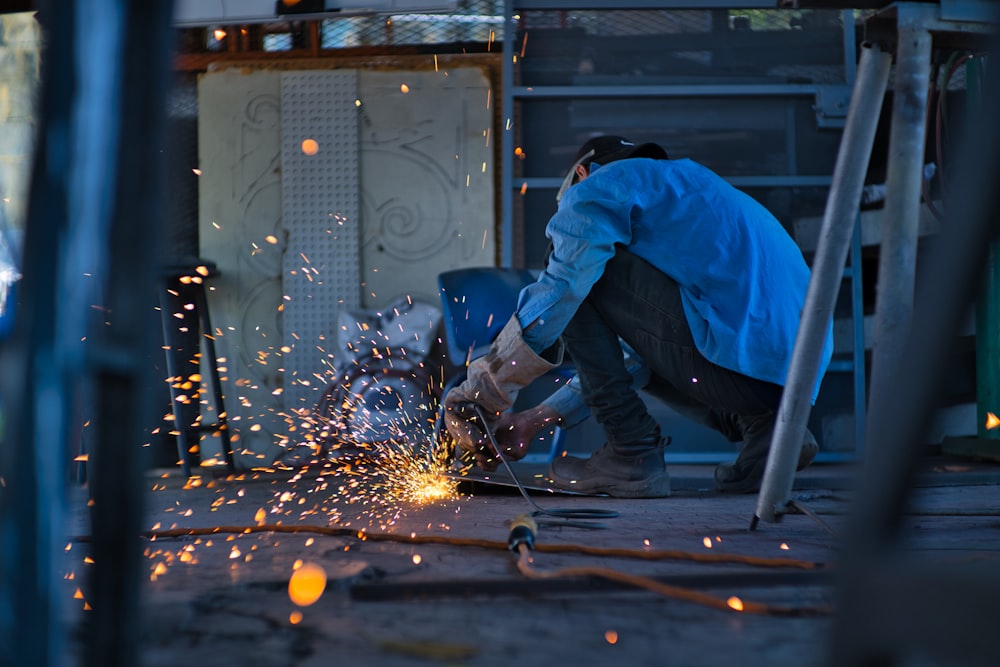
<point>310,147</point>
<point>307,584</point>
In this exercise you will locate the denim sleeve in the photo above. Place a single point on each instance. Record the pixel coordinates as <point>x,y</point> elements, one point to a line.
<point>594,216</point>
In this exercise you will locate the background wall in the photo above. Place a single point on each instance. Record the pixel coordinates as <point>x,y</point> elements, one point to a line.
<point>416,198</point>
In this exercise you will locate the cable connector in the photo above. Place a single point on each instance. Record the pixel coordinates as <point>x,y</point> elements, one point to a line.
<point>522,531</point>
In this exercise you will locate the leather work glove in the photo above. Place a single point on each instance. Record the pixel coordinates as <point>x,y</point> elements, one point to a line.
<point>515,431</point>
<point>492,382</point>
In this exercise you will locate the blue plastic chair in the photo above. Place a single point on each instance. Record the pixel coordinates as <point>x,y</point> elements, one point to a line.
<point>477,302</point>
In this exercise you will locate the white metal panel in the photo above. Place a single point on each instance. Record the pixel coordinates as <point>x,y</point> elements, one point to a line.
<point>285,228</point>
<point>427,192</point>
<point>320,212</point>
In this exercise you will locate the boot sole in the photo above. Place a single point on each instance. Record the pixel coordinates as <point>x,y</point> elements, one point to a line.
<point>656,486</point>
<point>751,483</point>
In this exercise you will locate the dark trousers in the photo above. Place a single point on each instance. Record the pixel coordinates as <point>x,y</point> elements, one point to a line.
<point>635,301</point>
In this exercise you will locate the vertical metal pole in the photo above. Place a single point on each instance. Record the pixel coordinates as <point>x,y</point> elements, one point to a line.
<point>118,351</point>
<point>827,272</point>
<point>35,385</point>
<point>178,351</point>
<point>507,140</point>
<point>850,41</point>
<point>901,215</point>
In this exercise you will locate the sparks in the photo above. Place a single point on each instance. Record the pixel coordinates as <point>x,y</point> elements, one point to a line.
<point>306,585</point>
<point>310,147</point>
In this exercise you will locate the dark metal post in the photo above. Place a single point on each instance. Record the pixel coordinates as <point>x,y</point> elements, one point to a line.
<point>35,386</point>
<point>118,351</point>
<point>93,214</point>
<point>827,274</point>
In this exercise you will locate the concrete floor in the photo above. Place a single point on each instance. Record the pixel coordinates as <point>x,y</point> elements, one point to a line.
<point>223,599</point>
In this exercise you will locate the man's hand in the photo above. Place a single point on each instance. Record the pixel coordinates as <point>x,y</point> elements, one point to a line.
<point>515,431</point>
<point>492,382</point>
<point>469,430</point>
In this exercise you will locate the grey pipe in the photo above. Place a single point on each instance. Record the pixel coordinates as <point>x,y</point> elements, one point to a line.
<point>901,215</point>
<point>827,273</point>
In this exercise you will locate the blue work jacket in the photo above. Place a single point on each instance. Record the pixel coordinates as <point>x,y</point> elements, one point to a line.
<point>742,278</point>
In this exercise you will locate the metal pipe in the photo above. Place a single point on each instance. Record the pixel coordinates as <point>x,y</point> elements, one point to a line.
<point>901,215</point>
<point>827,273</point>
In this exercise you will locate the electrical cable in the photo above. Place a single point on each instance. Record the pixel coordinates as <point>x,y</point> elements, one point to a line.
<point>562,513</point>
<point>937,115</point>
<point>925,188</point>
<point>447,540</point>
<point>955,61</point>
<point>521,541</point>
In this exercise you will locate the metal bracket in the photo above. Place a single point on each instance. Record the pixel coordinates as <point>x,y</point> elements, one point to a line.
<point>831,105</point>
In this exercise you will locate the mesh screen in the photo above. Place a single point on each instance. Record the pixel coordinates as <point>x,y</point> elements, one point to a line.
<point>636,47</point>
<point>473,21</point>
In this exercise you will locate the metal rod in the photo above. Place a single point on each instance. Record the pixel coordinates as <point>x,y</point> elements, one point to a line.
<point>669,90</point>
<point>776,181</point>
<point>827,273</point>
<point>901,215</point>
<point>507,139</point>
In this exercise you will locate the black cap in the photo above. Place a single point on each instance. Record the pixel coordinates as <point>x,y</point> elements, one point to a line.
<point>606,149</point>
<point>610,148</point>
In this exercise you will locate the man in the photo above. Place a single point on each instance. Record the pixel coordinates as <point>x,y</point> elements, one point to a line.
<point>701,283</point>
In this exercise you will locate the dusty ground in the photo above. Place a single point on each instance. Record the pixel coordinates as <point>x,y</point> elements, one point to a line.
<point>223,599</point>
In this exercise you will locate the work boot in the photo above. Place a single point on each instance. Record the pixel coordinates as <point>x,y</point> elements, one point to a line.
<point>746,473</point>
<point>630,470</point>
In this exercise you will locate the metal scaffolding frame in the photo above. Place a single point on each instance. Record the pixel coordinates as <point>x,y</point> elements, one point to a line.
<point>909,34</point>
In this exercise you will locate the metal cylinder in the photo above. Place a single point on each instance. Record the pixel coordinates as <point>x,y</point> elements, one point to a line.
<point>901,215</point>
<point>827,272</point>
